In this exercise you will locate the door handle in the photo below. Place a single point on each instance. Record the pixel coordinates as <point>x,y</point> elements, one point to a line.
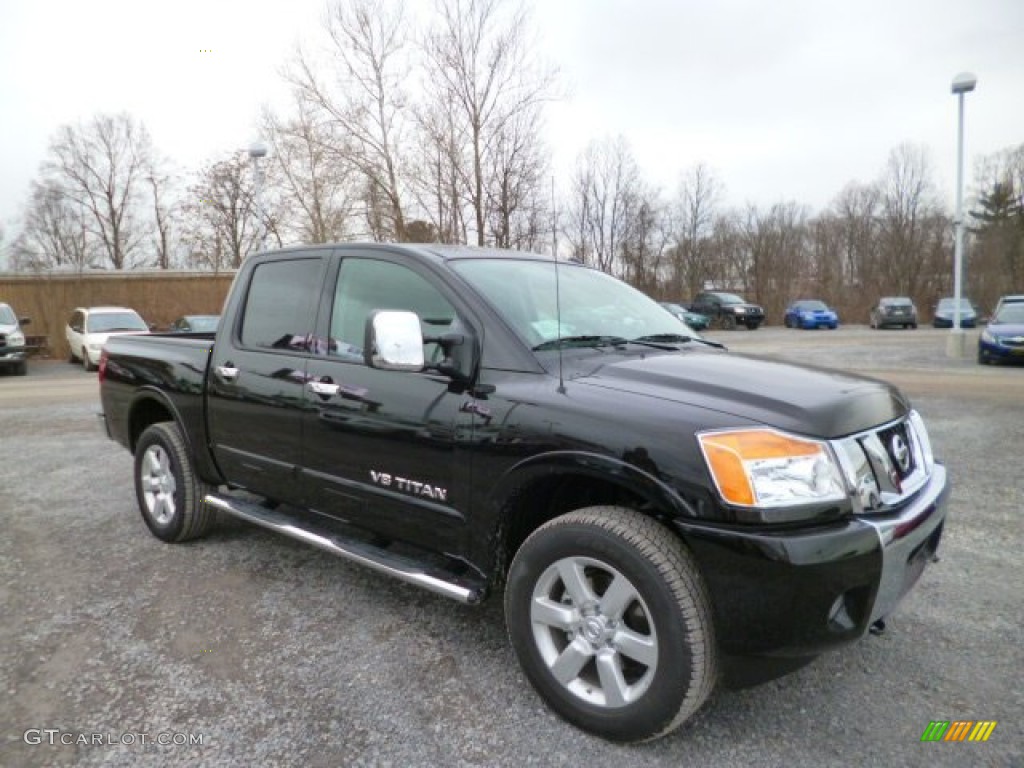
<point>323,388</point>
<point>227,372</point>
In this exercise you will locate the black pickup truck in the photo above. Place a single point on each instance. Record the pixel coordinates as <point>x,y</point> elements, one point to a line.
<point>660,515</point>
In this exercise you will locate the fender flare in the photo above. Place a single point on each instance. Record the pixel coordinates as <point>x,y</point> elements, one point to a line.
<point>600,467</point>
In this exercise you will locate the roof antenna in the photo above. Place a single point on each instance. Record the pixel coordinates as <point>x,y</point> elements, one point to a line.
<point>558,292</point>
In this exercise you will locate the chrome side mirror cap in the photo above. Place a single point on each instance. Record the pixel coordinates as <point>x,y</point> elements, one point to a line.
<point>394,341</point>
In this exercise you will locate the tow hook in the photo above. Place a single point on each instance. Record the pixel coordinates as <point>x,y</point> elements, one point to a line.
<point>878,628</point>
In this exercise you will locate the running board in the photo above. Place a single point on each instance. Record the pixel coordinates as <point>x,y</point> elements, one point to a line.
<point>402,568</point>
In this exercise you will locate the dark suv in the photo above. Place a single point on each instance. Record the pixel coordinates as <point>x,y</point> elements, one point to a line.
<point>894,311</point>
<point>727,310</point>
<point>12,341</point>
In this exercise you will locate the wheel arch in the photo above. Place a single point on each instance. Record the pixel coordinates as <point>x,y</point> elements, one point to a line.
<point>544,487</point>
<point>150,406</point>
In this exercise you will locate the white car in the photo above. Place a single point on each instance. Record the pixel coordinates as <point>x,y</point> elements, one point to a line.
<point>89,327</point>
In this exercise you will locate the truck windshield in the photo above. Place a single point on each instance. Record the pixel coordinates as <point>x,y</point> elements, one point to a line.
<point>7,316</point>
<point>593,304</point>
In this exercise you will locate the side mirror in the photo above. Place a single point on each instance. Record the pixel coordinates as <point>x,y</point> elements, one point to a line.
<point>24,320</point>
<point>393,341</point>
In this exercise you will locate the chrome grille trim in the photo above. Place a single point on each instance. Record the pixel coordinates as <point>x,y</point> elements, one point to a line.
<point>875,482</point>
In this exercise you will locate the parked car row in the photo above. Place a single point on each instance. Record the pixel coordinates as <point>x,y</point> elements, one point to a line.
<point>88,329</point>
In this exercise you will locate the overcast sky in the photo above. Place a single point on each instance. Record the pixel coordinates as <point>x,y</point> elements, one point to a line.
<point>783,100</point>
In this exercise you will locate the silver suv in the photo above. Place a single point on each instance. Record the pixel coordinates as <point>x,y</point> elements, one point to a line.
<point>12,340</point>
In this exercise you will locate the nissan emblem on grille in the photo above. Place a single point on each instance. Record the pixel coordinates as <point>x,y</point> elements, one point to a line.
<point>900,452</point>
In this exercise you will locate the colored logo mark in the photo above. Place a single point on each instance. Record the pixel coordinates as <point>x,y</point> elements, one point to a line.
<point>959,730</point>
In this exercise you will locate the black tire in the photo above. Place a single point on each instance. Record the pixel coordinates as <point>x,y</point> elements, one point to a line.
<point>729,322</point>
<point>86,363</point>
<point>982,360</point>
<point>21,368</point>
<point>786,322</point>
<point>71,357</point>
<point>660,603</point>
<point>913,326</point>
<point>752,325</point>
<point>169,495</point>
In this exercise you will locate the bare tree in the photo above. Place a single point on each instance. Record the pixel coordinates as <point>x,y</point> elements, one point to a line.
<point>165,206</point>
<point>365,103</point>
<point>222,226</point>
<point>478,56</point>
<point>776,259</point>
<point>606,194</point>
<point>699,195</point>
<point>515,176</point>
<point>437,171</point>
<point>908,203</point>
<point>101,166</point>
<point>316,182</point>
<point>53,233</point>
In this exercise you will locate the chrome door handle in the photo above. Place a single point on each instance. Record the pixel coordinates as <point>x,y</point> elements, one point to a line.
<point>323,388</point>
<point>227,373</point>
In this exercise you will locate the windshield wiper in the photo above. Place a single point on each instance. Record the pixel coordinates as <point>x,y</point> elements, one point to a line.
<point>676,338</point>
<point>582,341</point>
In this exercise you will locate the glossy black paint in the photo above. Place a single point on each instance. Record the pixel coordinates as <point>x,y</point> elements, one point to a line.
<point>512,446</point>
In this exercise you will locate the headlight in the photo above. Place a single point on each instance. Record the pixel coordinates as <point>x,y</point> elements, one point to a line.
<point>16,339</point>
<point>766,468</point>
<point>739,310</point>
<point>95,347</point>
<point>987,336</point>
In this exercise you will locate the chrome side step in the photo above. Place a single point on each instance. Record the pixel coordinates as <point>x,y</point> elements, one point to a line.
<point>400,567</point>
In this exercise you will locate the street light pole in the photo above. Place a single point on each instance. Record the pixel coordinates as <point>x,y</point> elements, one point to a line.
<point>962,83</point>
<point>257,150</point>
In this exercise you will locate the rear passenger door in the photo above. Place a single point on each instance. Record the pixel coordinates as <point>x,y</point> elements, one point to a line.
<point>257,375</point>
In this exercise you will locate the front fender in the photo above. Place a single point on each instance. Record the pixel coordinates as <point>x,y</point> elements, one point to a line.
<point>601,467</point>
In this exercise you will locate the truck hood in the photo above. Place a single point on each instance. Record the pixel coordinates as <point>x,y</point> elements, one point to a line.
<point>802,399</point>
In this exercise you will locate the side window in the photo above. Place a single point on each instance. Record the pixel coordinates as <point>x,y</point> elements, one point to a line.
<point>280,306</point>
<point>365,285</point>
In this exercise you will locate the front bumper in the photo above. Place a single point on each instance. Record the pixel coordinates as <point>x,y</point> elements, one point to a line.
<point>10,355</point>
<point>793,594</point>
<point>1000,351</point>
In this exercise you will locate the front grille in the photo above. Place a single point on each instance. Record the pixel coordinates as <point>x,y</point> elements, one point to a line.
<point>885,466</point>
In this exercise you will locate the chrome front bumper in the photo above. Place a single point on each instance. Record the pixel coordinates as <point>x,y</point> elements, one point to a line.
<point>909,540</point>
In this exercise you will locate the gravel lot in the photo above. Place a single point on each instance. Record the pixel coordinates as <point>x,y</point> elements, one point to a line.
<point>278,654</point>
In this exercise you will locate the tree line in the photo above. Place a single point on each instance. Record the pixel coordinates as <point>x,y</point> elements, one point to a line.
<point>431,130</point>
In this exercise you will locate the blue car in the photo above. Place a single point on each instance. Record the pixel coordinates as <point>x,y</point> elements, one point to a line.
<point>810,313</point>
<point>1003,339</point>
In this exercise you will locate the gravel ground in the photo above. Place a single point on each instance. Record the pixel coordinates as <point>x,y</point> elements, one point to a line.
<point>277,654</point>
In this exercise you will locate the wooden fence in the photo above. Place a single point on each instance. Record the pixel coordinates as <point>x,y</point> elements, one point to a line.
<point>160,297</point>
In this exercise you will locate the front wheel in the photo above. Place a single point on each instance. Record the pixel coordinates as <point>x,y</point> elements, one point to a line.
<point>169,494</point>
<point>611,622</point>
<point>86,362</point>
<point>729,322</point>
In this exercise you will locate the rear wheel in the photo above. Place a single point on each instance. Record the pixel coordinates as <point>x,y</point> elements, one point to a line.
<point>611,622</point>
<point>21,368</point>
<point>729,322</point>
<point>169,494</point>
